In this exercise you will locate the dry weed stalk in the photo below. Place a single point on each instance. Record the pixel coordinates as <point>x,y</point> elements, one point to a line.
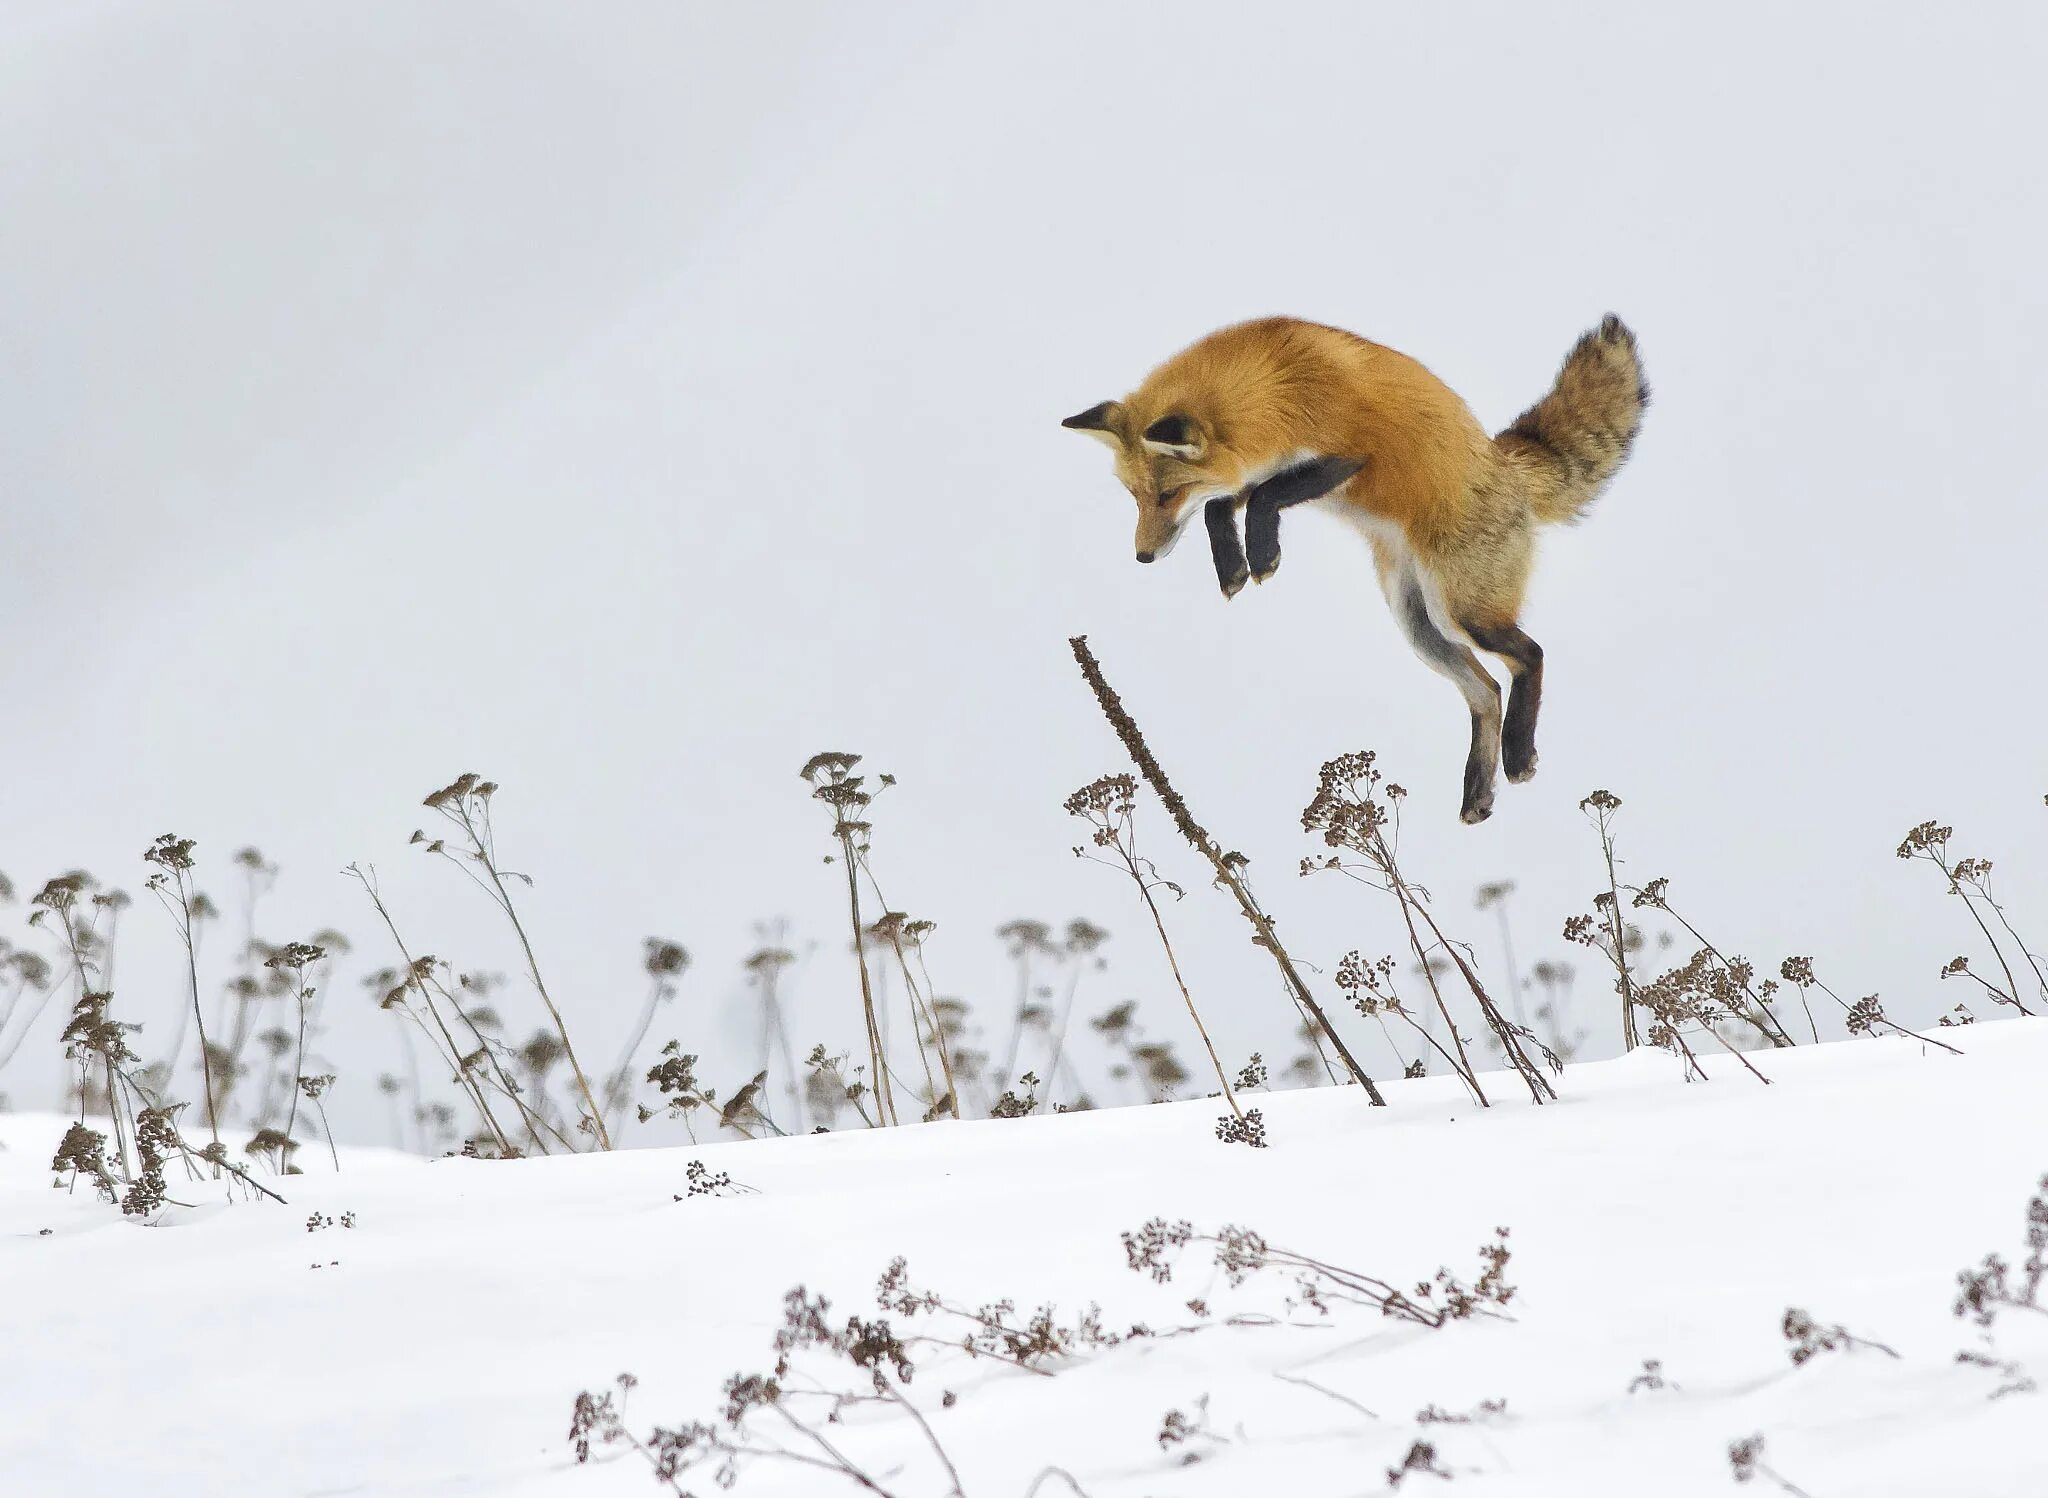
<point>1348,812</point>
<point>468,1069</point>
<point>1600,808</point>
<point>1083,940</point>
<point>832,782</point>
<point>465,804</point>
<point>1228,867</point>
<point>172,885</point>
<point>142,1120</point>
<point>295,957</point>
<point>1108,805</point>
<point>765,967</point>
<point>1746,1464</point>
<point>1969,879</point>
<point>1494,895</point>
<point>665,963</point>
<point>1993,1286</point>
<point>1750,1003</point>
<point>904,936</point>
<point>1865,1016</point>
<point>1154,1250</point>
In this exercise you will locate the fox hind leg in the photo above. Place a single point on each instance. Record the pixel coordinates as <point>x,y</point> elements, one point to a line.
<point>1481,692</point>
<point>1525,697</point>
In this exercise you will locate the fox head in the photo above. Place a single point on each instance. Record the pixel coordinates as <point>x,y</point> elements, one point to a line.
<point>1171,464</point>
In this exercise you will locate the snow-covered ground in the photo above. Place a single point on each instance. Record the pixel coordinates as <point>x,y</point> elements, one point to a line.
<point>435,1346</point>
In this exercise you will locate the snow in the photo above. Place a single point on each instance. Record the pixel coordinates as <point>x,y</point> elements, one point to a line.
<point>436,1345</point>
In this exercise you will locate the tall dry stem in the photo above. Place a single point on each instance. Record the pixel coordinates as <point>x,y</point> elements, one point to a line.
<point>172,885</point>
<point>1107,805</point>
<point>1227,866</point>
<point>832,782</point>
<point>465,803</point>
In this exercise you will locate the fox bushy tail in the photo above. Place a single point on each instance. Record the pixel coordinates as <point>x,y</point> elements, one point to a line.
<point>1569,444</point>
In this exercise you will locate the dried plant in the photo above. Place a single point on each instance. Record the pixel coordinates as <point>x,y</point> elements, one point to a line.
<point>665,963</point>
<point>1746,1464</point>
<point>418,993</point>
<point>314,1090</point>
<point>1969,880</point>
<point>1600,808</point>
<point>1373,993</point>
<point>1154,1250</point>
<point>21,972</point>
<point>1083,940</point>
<point>829,1085</point>
<point>1108,805</point>
<point>1355,811</point>
<point>833,782</point>
<point>1701,993</point>
<point>904,936</point>
<point>1865,1017</point>
<point>1420,1461</point>
<point>743,1109</point>
<point>1809,1338</point>
<point>172,885</point>
<point>700,1180</point>
<point>764,975</point>
<point>675,1078</point>
<point>1190,1432</point>
<point>465,804</point>
<point>1737,993</point>
<point>1009,1105</point>
<point>294,958</point>
<point>1554,1012</point>
<point>865,1353</point>
<point>1651,1378</point>
<point>1024,941</point>
<point>145,1124</point>
<point>1994,1286</point>
<point>1494,896</point>
<point>1229,867</point>
<point>1705,994</point>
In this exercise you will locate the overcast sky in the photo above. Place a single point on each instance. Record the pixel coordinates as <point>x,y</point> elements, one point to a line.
<point>627,401</point>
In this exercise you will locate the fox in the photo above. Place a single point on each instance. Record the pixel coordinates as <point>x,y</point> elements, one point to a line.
<point>1277,412</point>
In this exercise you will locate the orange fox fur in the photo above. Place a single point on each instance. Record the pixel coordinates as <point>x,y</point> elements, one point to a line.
<point>1277,412</point>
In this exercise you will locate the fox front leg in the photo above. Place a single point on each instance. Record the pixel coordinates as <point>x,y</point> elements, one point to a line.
<point>1290,486</point>
<point>1220,515</point>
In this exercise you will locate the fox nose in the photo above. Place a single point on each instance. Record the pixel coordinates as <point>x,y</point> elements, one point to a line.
<point>1146,556</point>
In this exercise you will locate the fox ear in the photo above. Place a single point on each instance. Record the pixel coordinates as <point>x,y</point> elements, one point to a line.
<point>1176,436</point>
<point>1100,422</point>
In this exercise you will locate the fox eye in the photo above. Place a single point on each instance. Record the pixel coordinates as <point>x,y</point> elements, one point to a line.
<point>1172,496</point>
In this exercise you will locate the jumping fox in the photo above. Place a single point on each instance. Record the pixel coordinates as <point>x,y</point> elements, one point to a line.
<point>1279,412</point>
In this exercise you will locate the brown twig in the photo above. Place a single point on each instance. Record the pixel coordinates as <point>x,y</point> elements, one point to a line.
<point>1226,872</point>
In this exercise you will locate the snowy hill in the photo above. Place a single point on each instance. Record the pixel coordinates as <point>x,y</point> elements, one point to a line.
<point>432,1339</point>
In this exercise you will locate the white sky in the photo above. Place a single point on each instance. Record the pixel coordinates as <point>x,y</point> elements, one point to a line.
<point>626,401</point>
